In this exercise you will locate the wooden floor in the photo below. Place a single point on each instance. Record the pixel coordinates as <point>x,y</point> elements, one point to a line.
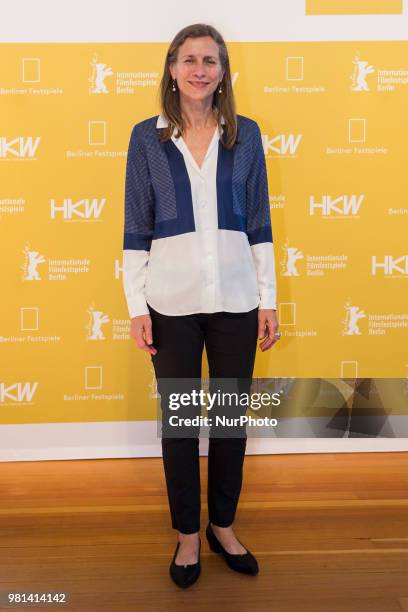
<point>330,533</point>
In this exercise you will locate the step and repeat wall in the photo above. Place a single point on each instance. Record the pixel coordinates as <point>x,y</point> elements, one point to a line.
<point>333,120</point>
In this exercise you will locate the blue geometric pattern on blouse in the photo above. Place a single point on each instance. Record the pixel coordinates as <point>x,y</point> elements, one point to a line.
<point>158,200</point>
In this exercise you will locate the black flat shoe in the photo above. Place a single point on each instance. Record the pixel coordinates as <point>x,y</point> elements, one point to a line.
<point>185,575</point>
<point>246,563</point>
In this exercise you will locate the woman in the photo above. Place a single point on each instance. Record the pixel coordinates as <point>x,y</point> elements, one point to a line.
<point>199,270</point>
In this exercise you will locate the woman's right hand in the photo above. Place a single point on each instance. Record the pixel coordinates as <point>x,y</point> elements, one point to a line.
<point>141,332</point>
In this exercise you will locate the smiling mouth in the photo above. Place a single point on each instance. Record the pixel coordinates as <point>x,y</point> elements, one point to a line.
<point>198,83</point>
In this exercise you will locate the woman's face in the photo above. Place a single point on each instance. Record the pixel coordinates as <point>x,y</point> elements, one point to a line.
<point>198,69</point>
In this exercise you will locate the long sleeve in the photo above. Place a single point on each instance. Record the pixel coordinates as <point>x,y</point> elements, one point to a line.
<point>264,259</point>
<point>138,226</point>
<point>259,229</point>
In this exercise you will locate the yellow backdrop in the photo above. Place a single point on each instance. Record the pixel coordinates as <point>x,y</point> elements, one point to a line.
<point>333,119</point>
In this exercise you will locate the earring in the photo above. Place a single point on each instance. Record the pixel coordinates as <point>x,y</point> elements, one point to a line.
<point>174,87</point>
<point>220,89</point>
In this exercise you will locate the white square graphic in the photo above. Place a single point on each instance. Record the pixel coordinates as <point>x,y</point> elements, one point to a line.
<point>352,365</point>
<point>282,307</point>
<point>92,370</point>
<point>355,125</point>
<point>93,128</point>
<point>25,312</point>
<point>294,65</point>
<point>31,64</point>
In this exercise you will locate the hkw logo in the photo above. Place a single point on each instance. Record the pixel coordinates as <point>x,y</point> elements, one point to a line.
<point>18,392</point>
<point>343,206</point>
<point>391,266</point>
<point>84,209</point>
<point>19,147</point>
<point>282,144</point>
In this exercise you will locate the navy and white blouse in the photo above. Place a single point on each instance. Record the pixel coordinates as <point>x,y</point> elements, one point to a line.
<point>197,240</point>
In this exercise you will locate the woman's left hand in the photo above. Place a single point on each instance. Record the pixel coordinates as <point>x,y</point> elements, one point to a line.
<point>268,327</point>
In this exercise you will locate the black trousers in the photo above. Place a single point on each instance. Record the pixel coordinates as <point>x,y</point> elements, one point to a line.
<point>230,341</point>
